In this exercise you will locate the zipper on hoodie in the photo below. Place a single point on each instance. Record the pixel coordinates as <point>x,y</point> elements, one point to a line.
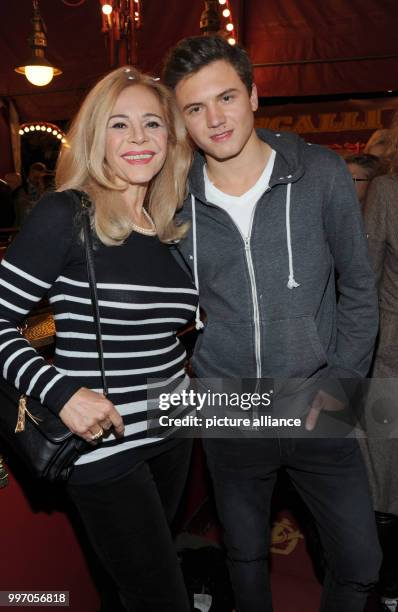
<point>256,310</point>
<point>253,285</point>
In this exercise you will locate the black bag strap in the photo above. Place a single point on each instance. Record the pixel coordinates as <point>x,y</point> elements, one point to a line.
<point>85,205</point>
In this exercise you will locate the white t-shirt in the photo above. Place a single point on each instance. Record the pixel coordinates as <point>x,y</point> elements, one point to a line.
<point>240,208</point>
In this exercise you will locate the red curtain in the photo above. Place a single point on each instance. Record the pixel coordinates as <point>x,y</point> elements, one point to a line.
<point>286,31</point>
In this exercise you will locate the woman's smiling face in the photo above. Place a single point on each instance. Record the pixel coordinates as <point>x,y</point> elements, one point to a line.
<point>136,136</point>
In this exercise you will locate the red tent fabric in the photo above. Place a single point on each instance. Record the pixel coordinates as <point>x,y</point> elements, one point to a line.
<point>327,47</point>
<point>283,32</point>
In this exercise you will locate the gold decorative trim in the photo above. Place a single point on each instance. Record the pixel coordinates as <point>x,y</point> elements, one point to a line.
<point>284,537</point>
<point>3,474</point>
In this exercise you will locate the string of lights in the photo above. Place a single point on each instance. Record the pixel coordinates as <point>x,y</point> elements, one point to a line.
<point>43,126</point>
<point>133,9</point>
<point>120,20</point>
<point>229,26</point>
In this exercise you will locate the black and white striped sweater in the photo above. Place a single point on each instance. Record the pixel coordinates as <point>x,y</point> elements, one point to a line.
<point>144,298</point>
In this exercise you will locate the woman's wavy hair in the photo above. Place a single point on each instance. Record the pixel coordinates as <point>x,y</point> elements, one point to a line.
<point>391,155</point>
<point>82,164</point>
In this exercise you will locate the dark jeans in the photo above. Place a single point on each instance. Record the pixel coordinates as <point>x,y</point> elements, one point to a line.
<point>127,520</point>
<point>330,477</point>
<point>387,528</point>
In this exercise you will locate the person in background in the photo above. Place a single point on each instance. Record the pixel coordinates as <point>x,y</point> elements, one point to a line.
<point>274,221</point>
<point>381,221</point>
<point>28,192</point>
<point>130,154</point>
<point>37,178</point>
<point>363,168</point>
<point>378,143</point>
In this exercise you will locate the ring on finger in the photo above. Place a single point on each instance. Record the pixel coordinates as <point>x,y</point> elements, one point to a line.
<point>98,435</point>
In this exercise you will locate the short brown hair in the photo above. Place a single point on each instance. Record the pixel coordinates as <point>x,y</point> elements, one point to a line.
<point>193,53</point>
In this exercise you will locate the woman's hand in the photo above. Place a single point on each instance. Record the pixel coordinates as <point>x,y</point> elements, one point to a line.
<point>89,414</point>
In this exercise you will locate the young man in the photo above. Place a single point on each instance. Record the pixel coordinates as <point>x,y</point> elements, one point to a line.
<point>273,219</point>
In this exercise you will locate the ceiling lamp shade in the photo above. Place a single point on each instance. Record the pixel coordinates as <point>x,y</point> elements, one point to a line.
<point>38,70</point>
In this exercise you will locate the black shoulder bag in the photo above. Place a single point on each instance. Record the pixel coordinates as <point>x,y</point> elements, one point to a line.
<point>39,437</point>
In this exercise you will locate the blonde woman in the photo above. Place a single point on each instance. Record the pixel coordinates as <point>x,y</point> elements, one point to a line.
<point>128,151</point>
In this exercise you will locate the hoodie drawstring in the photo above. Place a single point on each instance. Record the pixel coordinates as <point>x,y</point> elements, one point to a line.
<point>291,283</point>
<point>198,322</point>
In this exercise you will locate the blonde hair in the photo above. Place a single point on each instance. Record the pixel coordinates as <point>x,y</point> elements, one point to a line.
<point>82,164</point>
<point>391,154</point>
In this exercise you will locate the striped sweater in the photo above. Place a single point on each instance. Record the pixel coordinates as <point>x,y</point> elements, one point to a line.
<point>144,298</point>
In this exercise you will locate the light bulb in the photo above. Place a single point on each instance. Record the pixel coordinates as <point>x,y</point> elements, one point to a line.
<point>39,75</point>
<point>55,132</point>
<point>107,9</point>
<point>226,12</point>
<point>21,132</point>
<point>26,129</point>
<point>229,27</point>
<point>232,41</point>
<point>49,129</point>
<point>222,1</point>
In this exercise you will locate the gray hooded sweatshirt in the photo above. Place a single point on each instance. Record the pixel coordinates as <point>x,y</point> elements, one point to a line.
<point>270,301</point>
